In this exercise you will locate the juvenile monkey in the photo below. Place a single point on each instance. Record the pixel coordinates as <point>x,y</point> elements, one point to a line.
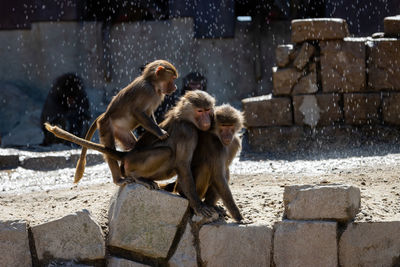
<point>152,159</point>
<point>132,106</point>
<point>215,151</point>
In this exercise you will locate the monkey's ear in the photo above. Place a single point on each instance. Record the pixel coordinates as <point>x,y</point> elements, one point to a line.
<point>159,68</point>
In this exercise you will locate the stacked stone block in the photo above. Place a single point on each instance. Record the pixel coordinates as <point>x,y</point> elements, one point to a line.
<point>308,235</point>
<point>326,80</point>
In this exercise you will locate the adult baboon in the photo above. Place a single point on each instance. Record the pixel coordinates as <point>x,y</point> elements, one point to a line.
<point>153,159</point>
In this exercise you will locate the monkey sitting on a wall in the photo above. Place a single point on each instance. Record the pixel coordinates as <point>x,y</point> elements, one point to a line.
<point>133,106</point>
<point>215,151</point>
<point>66,105</point>
<point>155,160</point>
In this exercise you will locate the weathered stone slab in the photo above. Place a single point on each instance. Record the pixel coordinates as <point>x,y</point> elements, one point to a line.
<point>321,202</point>
<point>343,65</point>
<point>74,237</point>
<point>370,244</point>
<point>318,29</point>
<point>383,64</point>
<point>267,111</point>
<point>391,108</point>
<point>303,56</point>
<point>306,85</point>
<point>282,55</point>
<point>235,245</point>
<point>118,262</point>
<point>305,243</point>
<point>145,221</point>
<point>391,25</point>
<point>283,80</point>
<point>361,109</point>
<point>276,139</point>
<point>9,161</point>
<point>320,109</point>
<point>14,244</point>
<point>185,254</point>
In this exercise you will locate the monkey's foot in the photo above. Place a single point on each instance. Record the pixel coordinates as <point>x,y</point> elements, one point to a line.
<point>125,181</point>
<point>221,211</point>
<point>149,184</point>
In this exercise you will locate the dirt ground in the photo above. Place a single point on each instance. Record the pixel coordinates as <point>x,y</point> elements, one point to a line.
<point>257,185</point>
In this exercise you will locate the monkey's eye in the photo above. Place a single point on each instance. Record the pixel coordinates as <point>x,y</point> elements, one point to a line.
<point>207,109</point>
<point>199,111</point>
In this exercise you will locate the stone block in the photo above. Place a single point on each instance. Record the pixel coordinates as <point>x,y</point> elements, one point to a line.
<point>283,54</point>
<point>74,237</point>
<point>321,202</point>
<point>306,85</point>
<point>391,25</point>
<point>235,245</point>
<point>118,262</point>
<point>276,139</point>
<point>391,108</point>
<point>283,80</point>
<point>383,64</point>
<point>318,29</point>
<point>267,111</point>
<point>185,254</point>
<point>343,65</point>
<point>14,244</point>
<point>361,109</point>
<point>9,161</point>
<point>303,56</point>
<point>305,243</point>
<point>145,221</point>
<point>370,244</point>
<point>320,109</point>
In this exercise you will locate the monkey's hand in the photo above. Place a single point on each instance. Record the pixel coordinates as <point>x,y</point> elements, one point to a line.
<point>164,135</point>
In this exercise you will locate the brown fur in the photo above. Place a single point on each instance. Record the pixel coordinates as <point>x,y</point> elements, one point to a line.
<point>133,106</point>
<point>211,160</point>
<point>153,159</point>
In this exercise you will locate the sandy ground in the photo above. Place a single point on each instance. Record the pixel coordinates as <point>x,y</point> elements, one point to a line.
<point>257,185</point>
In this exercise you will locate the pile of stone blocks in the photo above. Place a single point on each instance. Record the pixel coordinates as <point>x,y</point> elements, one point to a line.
<point>326,80</point>
<point>155,228</point>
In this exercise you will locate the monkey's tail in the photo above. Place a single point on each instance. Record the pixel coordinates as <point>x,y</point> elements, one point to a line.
<point>80,165</point>
<point>60,133</point>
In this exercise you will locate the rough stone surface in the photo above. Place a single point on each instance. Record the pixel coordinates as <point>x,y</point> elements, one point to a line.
<point>145,221</point>
<point>383,64</point>
<point>279,141</point>
<point>303,56</point>
<point>267,111</point>
<point>118,262</point>
<point>75,236</point>
<point>313,110</point>
<point>276,139</point>
<point>391,26</point>
<point>391,108</point>
<point>9,161</point>
<point>185,254</point>
<point>306,85</point>
<point>329,202</point>
<point>361,109</point>
<point>318,29</point>
<point>284,79</point>
<point>233,245</point>
<point>282,55</point>
<point>370,244</point>
<point>343,65</point>
<point>305,243</point>
<point>14,244</point>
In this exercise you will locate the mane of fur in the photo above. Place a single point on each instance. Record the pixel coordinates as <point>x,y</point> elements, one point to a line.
<point>183,109</point>
<point>226,114</point>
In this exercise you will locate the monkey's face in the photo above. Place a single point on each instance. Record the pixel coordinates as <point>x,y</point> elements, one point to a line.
<point>202,118</point>
<point>226,132</point>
